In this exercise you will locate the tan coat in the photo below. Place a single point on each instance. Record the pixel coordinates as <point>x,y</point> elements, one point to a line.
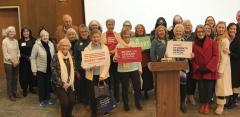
<point>224,83</point>
<point>104,68</point>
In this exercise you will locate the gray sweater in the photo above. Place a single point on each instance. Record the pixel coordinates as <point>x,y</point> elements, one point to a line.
<point>39,56</point>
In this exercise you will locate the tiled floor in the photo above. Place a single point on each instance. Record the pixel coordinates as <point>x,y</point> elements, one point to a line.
<point>29,107</point>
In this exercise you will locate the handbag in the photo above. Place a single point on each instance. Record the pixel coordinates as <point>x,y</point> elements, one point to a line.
<point>106,103</point>
<point>101,89</point>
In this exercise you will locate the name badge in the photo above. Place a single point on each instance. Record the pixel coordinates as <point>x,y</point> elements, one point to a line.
<point>23,44</point>
<point>81,43</point>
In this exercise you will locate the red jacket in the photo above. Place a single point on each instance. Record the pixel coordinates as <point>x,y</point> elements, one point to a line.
<point>205,57</point>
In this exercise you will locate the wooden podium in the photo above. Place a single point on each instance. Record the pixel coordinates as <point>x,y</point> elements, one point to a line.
<point>168,87</point>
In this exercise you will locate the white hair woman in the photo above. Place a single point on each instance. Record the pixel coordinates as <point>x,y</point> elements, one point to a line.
<point>63,77</point>
<point>11,55</point>
<point>41,57</point>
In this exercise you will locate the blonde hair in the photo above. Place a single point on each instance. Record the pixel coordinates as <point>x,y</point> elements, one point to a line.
<point>8,30</point>
<point>62,42</point>
<point>71,30</point>
<point>225,34</point>
<point>43,32</point>
<point>178,26</point>
<point>187,22</point>
<point>165,29</point>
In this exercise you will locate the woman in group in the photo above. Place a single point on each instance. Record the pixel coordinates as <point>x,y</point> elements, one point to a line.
<point>72,36</point>
<point>41,57</point>
<point>160,21</point>
<point>80,81</point>
<point>25,73</point>
<point>11,55</point>
<point>209,31</point>
<point>111,38</point>
<point>204,67</point>
<point>159,44</point>
<point>177,19</point>
<point>223,84</point>
<point>235,63</point>
<point>94,25</point>
<point>210,21</point>
<point>191,83</point>
<point>96,73</point>
<point>128,71</point>
<point>147,76</point>
<point>63,77</point>
<point>178,36</point>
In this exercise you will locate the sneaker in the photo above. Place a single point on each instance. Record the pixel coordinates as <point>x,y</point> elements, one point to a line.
<point>138,106</point>
<point>42,104</point>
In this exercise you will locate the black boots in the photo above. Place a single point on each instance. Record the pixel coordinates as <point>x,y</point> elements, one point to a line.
<point>232,101</point>
<point>183,107</point>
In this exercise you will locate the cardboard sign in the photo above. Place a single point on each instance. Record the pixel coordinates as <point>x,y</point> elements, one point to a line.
<point>127,55</point>
<point>93,58</point>
<point>179,49</point>
<point>144,42</point>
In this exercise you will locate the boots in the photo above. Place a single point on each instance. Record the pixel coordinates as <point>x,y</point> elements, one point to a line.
<point>232,101</point>
<point>201,108</point>
<point>220,106</point>
<point>183,107</point>
<point>206,109</point>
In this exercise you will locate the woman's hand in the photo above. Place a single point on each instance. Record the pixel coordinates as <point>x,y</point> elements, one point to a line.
<point>226,51</point>
<point>66,85</point>
<point>35,73</point>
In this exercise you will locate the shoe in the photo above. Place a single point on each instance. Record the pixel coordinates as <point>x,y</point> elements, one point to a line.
<point>49,102</point>
<point>106,114</point>
<point>219,109</point>
<point>183,107</point>
<point>201,108</point>
<point>138,105</point>
<point>32,90</point>
<point>126,107</point>
<point>12,98</point>
<point>191,99</point>
<point>42,104</point>
<point>232,103</point>
<point>24,92</point>
<point>206,109</point>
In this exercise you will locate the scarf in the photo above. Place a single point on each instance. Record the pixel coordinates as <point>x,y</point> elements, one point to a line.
<point>63,67</point>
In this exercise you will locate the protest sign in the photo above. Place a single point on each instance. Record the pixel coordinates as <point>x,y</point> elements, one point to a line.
<point>127,55</point>
<point>179,49</point>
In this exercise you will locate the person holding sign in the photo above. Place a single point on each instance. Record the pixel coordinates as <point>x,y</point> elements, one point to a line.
<point>147,74</point>
<point>204,67</point>
<point>96,73</point>
<point>129,70</point>
<point>63,77</point>
<point>223,84</point>
<point>178,37</point>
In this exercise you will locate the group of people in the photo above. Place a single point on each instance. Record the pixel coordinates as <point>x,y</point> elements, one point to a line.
<point>55,64</point>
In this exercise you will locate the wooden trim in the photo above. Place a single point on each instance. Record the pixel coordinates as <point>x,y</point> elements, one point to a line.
<point>19,15</point>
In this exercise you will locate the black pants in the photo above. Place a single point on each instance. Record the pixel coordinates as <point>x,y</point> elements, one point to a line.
<point>135,78</point>
<point>147,78</point>
<point>26,78</point>
<point>67,100</point>
<point>12,78</point>
<point>191,86</point>
<point>115,80</point>
<point>43,80</point>
<point>81,90</point>
<point>205,88</point>
<point>183,88</point>
<point>91,92</point>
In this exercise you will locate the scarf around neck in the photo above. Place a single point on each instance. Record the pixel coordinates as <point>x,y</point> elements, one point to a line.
<point>63,67</point>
